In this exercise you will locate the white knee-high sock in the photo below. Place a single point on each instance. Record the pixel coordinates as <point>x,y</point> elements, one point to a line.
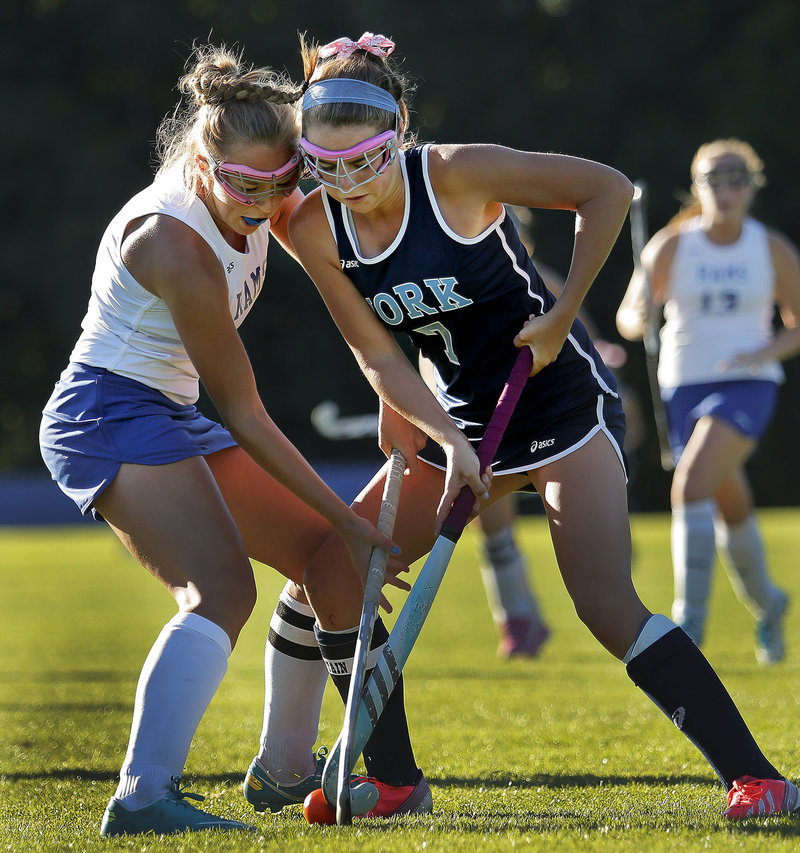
<point>294,684</point>
<point>505,579</point>
<point>693,554</point>
<point>178,680</point>
<point>743,553</point>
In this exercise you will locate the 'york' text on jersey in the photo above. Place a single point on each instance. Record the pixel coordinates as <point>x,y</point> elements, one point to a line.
<point>410,301</point>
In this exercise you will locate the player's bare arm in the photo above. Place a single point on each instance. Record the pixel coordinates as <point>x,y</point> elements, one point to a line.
<point>279,222</point>
<point>190,280</point>
<point>471,181</point>
<point>382,361</point>
<point>656,262</point>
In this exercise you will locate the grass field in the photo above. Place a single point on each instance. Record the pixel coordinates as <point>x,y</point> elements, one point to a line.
<point>558,754</point>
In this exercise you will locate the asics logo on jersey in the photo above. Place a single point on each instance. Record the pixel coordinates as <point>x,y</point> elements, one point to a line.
<point>409,301</point>
<point>230,266</point>
<point>347,265</point>
<point>678,716</point>
<point>541,445</point>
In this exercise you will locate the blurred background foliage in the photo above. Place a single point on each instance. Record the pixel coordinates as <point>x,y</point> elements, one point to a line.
<point>638,84</point>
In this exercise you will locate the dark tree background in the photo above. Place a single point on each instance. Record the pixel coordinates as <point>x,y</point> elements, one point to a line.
<point>638,84</point>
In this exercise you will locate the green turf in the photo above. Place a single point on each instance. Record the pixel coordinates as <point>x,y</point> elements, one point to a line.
<point>561,753</point>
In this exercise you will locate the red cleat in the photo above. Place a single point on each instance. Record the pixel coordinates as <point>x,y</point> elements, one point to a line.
<point>751,797</point>
<point>392,800</point>
<point>403,799</point>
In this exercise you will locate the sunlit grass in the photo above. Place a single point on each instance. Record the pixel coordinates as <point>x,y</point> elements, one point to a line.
<point>561,753</point>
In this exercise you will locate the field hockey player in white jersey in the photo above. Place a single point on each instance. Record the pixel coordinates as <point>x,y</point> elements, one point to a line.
<point>719,273</point>
<point>178,269</point>
<point>415,239</point>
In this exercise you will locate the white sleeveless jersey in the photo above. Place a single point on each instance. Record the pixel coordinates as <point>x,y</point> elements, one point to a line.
<point>130,331</point>
<point>720,302</point>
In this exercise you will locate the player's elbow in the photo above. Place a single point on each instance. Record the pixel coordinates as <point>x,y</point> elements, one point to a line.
<point>618,191</point>
<point>624,188</point>
<point>630,323</point>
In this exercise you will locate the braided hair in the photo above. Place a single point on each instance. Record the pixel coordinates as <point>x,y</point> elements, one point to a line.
<point>225,104</point>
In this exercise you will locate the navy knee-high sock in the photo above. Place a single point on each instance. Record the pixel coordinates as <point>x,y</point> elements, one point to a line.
<point>674,673</point>
<point>388,754</point>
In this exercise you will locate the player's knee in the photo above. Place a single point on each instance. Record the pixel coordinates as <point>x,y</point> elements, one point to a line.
<point>244,602</point>
<point>336,596</point>
<point>687,488</point>
<point>677,489</point>
<point>235,613</point>
<point>228,599</point>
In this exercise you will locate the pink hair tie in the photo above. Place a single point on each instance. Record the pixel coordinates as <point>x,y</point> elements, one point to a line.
<point>376,45</point>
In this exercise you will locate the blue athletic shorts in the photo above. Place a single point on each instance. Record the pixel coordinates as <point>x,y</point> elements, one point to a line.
<point>747,405</point>
<point>95,420</point>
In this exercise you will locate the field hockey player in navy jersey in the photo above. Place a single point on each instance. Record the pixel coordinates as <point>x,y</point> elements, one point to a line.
<point>415,239</point>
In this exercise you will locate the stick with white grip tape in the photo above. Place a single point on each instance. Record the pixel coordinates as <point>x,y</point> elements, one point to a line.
<point>369,612</point>
<point>418,603</point>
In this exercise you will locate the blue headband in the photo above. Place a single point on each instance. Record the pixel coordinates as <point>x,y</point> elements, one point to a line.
<point>344,90</point>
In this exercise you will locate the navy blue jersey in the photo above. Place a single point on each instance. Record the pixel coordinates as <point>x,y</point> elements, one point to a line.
<point>462,301</point>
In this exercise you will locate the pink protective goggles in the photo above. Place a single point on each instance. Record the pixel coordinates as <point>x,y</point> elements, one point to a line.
<point>356,166</point>
<point>249,186</point>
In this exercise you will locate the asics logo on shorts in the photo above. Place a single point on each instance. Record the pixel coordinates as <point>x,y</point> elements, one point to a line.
<point>541,445</point>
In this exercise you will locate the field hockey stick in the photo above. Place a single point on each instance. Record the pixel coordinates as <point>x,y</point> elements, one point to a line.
<point>369,611</point>
<point>418,603</point>
<point>638,214</point>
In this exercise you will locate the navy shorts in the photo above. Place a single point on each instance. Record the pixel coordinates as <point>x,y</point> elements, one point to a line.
<point>526,446</point>
<point>746,404</point>
<point>95,420</point>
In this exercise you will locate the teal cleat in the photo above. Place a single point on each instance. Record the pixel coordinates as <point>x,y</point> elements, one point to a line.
<point>165,816</point>
<point>263,792</point>
<point>769,633</point>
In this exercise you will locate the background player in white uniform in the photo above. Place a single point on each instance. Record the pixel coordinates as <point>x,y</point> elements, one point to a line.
<point>718,274</point>
<point>418,241</point>
<point>177,270</point>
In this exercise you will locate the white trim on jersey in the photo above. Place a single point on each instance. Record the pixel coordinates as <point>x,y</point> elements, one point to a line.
<point>593,366</point>
<point>349,226</point>
<point>467,241</point>
<point>515,266</point>
<point>600,426</point>
<point>518,269</point>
